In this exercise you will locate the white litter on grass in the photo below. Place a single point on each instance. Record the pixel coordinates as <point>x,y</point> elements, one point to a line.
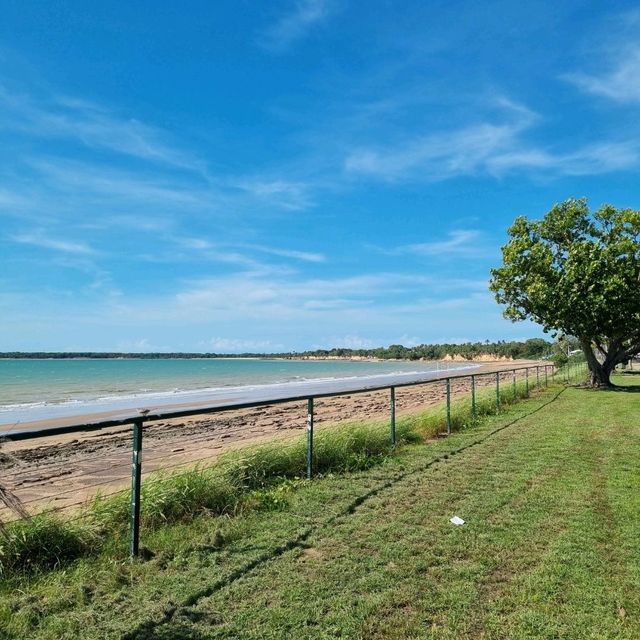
<point>456,520</point>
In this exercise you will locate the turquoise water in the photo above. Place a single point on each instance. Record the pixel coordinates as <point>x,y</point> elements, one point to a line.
<point>37,382</point>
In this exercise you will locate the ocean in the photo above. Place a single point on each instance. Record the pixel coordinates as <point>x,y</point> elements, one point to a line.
<point>41,389</point>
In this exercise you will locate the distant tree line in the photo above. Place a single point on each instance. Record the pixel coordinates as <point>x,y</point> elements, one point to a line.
<point>534,348</point>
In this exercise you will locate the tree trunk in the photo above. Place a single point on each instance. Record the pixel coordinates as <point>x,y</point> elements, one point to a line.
<point>600,377</point>
<point>599,373</point>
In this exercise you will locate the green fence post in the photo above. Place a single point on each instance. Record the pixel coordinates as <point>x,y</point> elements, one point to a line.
<point>514,384</point>
<point>546,375</point>
<point>473,396</point>
<point>526,382</point>
<point>393,416</point>
<point>448,382</point>
<point>537,376</point>
<point>497,392</point>
<point>136,475</point>
<point>309,438</point>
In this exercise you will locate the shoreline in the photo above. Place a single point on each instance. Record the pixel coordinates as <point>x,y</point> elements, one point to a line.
<point>61,471</point>
<point>141,356</point>
<point>21,413</point>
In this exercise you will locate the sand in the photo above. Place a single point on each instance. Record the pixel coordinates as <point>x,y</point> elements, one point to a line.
<point>63,471</point>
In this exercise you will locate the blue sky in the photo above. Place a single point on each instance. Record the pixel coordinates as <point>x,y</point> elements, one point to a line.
<point>263,176</point>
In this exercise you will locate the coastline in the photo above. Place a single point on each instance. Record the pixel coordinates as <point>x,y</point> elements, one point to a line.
<point>352,358</point>
<point>84,463</point>
<point>78,400</point>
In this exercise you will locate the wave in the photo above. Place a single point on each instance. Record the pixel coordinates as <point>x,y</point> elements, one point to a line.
<point>66,407</point>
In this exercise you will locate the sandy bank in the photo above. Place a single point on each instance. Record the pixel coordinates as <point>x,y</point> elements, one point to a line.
<point>59,471</point>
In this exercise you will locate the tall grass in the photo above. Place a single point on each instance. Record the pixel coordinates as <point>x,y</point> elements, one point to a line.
<point>433,422</point>
<point>239,480</point>
<point>574,371</point>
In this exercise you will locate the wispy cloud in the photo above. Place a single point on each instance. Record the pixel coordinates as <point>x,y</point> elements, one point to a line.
<point>591,159</point>
<point>267,295</point>
<point>443,154</point>
<point>222,249</point>
<point>293,311</point>
<point>102,180</point>
<point>351,342</point>
<point>620,79</point>
<point>305,256</point>
<point>489,148</point>
<point>460,242</point>
<point>289,195</point>
<point>238,345</point>
<point>91,125</point>
<point>40,239</point>
<point>296,23</point>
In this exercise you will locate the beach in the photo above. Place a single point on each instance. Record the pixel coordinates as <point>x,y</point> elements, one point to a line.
<point>43,389</point>
<point>63,471</point>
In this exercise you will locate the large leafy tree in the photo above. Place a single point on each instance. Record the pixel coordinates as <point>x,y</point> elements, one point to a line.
<point>577,273</point>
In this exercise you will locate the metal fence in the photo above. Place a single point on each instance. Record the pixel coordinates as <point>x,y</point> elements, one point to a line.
<point>532,375</point>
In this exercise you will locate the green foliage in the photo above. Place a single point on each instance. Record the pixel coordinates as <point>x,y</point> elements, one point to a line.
<point>250,478</point>
<point>258,477</point>
<point>563,348</point>
<point>42,542</point>
<point>577,273</point>
<point>549,549</point>
<point>532,348</point>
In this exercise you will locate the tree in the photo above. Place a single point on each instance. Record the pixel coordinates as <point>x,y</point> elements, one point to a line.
<point>577,273</point>
<point>563,348</point>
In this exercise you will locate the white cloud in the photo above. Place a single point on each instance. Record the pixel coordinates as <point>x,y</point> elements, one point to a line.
<point>236,253</point>
<point>197,244</point>
<point>239,345</point>
<point>460,243</point>
<point>621,82</point>
<point>305,256</point>
<point>296,24</point>
<point>90,124</point>
<point>40,239</point>
<point>254,313</point>
<point>269,297</point>
<point>591,159</point>
<point>359,342</point>
<point>436,156</point>
<point>489,148</point>
<point>137,346</point>
<point>289,195</point>
<point>463,241</point>
<point>143,188</point>
<point>350,342</point>
<point>83,179</point>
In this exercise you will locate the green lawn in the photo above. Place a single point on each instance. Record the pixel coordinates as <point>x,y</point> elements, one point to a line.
<point>550,548</point>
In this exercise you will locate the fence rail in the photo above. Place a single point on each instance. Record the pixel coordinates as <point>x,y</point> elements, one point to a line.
<point>138,420</point>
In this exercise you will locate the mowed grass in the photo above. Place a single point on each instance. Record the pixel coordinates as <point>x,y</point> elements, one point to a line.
<point>548,490</point>
<point>253,477</point>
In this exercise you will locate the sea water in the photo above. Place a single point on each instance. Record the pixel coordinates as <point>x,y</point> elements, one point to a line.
<point>34,389</point>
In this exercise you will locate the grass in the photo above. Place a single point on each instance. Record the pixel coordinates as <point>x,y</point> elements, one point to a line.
<point>548,490</point>
<point>239,481</point>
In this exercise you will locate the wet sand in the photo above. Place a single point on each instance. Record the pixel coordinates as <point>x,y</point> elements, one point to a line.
<point>63,471</point>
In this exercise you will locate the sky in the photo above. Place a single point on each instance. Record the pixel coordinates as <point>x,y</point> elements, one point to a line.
<point>294,174</point>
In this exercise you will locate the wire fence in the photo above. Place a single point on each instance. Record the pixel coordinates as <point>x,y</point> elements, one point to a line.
<point>65,474</point>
